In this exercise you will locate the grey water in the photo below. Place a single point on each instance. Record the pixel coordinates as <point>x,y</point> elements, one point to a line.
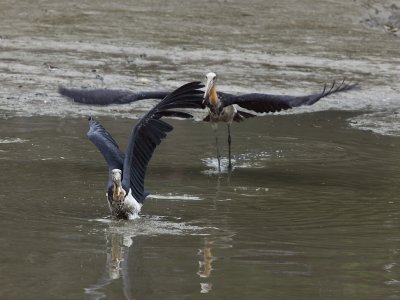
<point>311,209</point>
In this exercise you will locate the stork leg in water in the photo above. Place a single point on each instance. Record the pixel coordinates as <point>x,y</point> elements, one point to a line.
<point>215,128</point>
<point>229,145</point>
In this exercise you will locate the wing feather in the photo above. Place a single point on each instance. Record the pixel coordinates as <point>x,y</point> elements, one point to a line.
<point>264,103</point>
<point>106,96</point>
<point>106,144</point>
<point>150,131</point>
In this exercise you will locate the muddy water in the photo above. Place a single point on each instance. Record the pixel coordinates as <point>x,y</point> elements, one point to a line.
<point>311,210</point>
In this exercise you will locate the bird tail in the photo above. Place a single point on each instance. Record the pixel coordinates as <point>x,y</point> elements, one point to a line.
<point>241,115</point>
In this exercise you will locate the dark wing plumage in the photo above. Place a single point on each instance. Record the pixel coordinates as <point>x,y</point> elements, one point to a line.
<point>106,144</point>
<point>264,103</point>
<point>106,97</point>
<point>149,132</point>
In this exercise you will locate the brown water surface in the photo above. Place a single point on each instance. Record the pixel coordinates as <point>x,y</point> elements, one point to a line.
<point>311,209</point>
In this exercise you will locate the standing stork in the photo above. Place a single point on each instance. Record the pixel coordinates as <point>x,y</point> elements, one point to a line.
<point>127,171</point>
<point>222,106</point>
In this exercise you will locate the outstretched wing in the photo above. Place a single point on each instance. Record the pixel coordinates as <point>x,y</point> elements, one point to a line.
<point>149,132</point>
<point>106,144</point>
<point>264,103</point>
<point>106,97</point>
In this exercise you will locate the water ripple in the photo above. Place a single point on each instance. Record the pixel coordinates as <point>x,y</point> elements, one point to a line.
<point>385,123</point>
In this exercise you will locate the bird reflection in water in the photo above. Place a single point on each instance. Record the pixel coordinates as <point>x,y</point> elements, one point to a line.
<point>205,265</point>
<point>116,266</point>
<point>124,244</point>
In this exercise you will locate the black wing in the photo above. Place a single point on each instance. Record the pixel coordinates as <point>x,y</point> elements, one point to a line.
<point>149,132</point>
<point>106,144</point>
<point>264,103</point>
<point>106,97</point>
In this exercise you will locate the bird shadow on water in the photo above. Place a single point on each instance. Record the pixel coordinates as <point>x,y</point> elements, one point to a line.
<point>122,236</point>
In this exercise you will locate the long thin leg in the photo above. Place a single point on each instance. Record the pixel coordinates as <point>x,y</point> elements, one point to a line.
<point>218,151</point>
<point>229,144</point>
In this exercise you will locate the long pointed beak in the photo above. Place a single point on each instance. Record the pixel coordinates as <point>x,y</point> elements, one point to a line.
<point>117,181</point>
<point>116,177</point>
<point>209,85</point>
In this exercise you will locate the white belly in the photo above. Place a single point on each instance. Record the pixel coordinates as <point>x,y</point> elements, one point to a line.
<point>226,115</point>
<point>131,206</point>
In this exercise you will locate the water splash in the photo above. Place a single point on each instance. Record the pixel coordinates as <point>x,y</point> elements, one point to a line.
<point>212,164</point>
<point>12,140</point>
<point>248,160</point>
<point>150,226</point>
<point>171,196</point>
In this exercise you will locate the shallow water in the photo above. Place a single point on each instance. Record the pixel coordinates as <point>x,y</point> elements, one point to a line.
<point>311,209</point>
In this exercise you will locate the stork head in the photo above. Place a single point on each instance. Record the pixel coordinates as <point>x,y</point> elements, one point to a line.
<point>118,192</point>
<point>210,93</point>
